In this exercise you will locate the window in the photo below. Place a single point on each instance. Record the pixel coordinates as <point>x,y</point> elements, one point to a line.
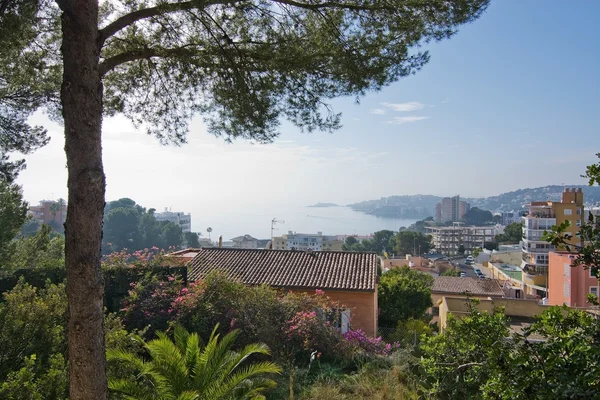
<point>578,211</point>
<point>578,222</point>
<point>594,290</point>
<point>567,291</point>
<point>338,318</point>
<point>593,272</point>
<point>568,211</point>
<point>567,270</point>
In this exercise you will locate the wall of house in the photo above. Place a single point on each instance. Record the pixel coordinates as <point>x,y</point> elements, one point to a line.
<point>436,297</point>
<point>363,306</point>
<point>570,285</point>
<point>512,308</point>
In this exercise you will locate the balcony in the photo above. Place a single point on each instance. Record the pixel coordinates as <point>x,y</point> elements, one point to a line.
<point>537,238</point>
<point>534,261</point>
<point>534,270</point>
<point>538,250</point>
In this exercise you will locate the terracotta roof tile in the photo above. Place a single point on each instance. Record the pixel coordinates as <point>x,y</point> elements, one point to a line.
<point>290,269</point>
<point>474,286</point>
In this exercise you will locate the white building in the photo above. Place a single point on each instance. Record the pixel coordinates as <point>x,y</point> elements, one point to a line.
<point>182,219</point>
<point>307,241</point>
<point>448,239</point>
<point>245,242</point>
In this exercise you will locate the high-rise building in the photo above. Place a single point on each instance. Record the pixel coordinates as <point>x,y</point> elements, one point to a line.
<point>182,219</point>
<point>463,208</point>
<point>451,209</point>
<point>541,216</point>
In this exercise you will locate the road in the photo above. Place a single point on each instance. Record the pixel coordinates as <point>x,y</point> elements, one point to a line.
<point>469,269</point>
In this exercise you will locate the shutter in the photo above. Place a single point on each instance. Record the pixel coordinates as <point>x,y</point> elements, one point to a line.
<point>345,321</point>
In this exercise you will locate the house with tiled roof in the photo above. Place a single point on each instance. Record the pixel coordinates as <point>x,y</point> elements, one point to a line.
<point>477,288</point>
<point>347,277</point>
<point>245,242</point>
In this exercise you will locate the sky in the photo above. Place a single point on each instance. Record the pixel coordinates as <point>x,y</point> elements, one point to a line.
<point>511,101</point>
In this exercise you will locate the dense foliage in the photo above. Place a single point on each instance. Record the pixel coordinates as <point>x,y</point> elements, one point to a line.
<point>403,294</point>
<point>13,214</point>
<point>477,357</point>
<point>130,226</point>
<point>42,251</point>
<point>187,368</point>
<point>476,216</point>
<point>513,233</point>
<point>409,242</point>
<point>382,241</point>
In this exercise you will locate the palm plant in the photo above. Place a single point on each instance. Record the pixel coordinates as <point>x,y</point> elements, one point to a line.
<point>185,369</point>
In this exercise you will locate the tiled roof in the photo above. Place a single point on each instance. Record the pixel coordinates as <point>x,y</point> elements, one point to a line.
<point>290,269</point>
<point>474,286</point>
<point>245,238</point>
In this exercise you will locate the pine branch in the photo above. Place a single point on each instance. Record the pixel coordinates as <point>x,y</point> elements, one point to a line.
<point>129,19</point>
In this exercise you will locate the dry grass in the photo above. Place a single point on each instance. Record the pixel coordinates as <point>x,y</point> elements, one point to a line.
<point>372,382</point>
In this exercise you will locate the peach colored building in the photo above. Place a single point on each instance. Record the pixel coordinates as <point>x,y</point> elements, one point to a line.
<point>542,215</point>
<point>347,277</point>
<point>49,211</point>
<point>569,285</point>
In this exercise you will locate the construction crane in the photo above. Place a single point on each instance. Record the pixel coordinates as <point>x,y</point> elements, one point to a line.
<point>273,222</point>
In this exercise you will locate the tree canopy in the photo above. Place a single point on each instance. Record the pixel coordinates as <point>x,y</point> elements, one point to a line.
<point>26,81</point>
<point>402,294</point>
<point>13,214</point>
<point>513,233</point>
<point>127,225</point>
<point>477,357</point>
<point>408,242</point>
<point>477,216</point>
<point>381,241</point>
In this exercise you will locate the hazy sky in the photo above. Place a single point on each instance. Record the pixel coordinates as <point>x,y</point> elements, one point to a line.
<point>512,101</point>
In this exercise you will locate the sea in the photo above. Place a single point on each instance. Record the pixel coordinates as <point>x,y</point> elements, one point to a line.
<point>257,223</point>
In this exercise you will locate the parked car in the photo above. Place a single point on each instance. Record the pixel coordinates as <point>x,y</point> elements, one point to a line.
<point>463,275</point>
<point>468,262</point>
<point>470,258</point>
<point>478,271</point>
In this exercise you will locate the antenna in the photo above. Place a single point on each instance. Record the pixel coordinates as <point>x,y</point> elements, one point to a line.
<point>273,222</point>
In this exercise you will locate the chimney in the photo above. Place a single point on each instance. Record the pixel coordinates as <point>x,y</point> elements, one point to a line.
<point>220,241</point>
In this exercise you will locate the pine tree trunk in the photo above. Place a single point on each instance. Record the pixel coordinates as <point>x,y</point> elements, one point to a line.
<point>81,96</point>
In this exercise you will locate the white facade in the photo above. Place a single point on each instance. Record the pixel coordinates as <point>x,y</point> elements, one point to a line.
<point>535,250</point>
<point>182,219</point>
<point>309,241</point>
<point>304,241</point>
<point>448,239</point>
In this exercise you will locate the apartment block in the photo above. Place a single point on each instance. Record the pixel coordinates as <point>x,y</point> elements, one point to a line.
<point>567,284</point>
<point>451,209</point>
<point>541,216</point>
<point>448,239</point>
<point>180,218</point>
<point>307,241</point>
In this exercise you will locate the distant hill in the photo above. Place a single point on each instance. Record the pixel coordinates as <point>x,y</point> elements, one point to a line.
<point>415,206</point>
<point>325,205</point>
<point>422,206</point>
<point>515,200</point>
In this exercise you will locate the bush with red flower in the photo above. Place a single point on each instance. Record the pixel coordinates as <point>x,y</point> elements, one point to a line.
<point>150,303</point>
